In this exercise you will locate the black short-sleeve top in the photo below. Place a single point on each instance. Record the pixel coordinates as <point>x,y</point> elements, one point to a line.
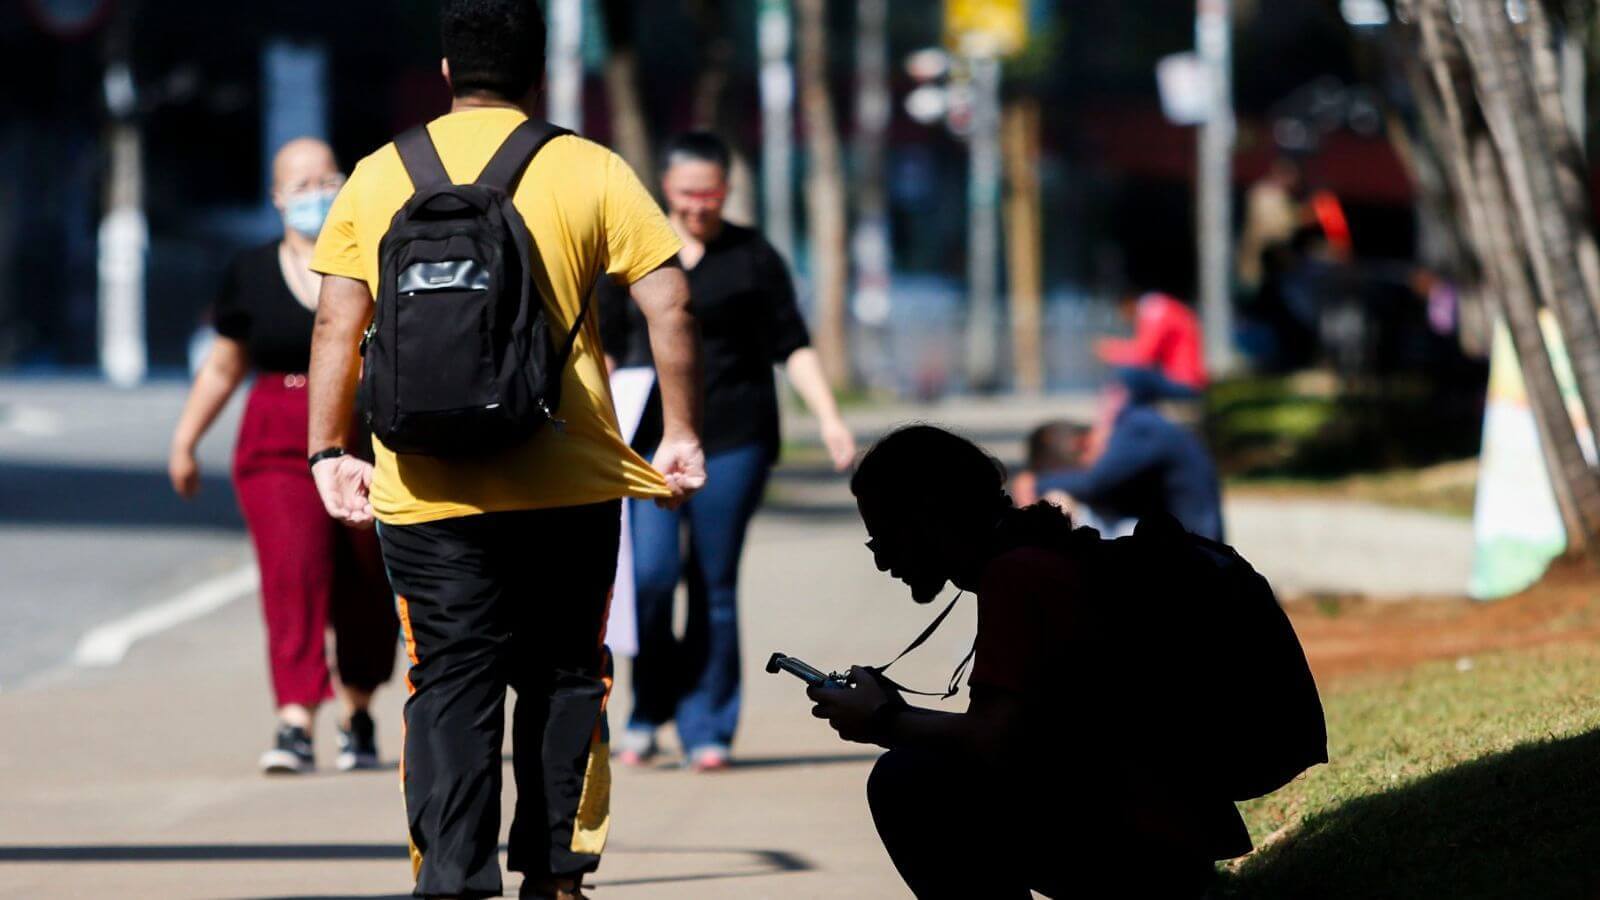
<point>255,308</point>
<point>744,301</point>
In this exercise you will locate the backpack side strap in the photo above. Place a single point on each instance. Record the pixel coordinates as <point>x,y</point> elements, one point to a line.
<point>421,159</point>
<point>505,170</point>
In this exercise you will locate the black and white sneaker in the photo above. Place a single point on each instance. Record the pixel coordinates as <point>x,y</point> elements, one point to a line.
<point>290,753</point>
<point>358,744</point>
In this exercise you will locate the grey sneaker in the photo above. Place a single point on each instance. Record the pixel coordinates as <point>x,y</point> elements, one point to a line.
<point>358,744</point>
<point>634,746</point>
<point>290,754</point>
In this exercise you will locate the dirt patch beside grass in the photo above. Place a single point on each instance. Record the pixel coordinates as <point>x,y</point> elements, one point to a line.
<point>1351,635</point>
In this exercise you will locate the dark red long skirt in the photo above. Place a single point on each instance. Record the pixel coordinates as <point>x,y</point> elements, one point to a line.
<point>315,573</point>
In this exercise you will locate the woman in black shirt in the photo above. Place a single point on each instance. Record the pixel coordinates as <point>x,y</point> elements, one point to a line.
<point>744,300</point>
<point>314,572</point>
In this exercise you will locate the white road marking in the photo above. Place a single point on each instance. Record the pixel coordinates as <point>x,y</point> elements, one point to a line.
<point>18,421</point>
<point>108,644</point>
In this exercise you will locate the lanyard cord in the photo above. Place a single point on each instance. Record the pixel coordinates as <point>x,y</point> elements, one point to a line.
<point>955,679</point>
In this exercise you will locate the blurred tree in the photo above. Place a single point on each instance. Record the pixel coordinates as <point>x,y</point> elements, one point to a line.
<point>826,216</point>
<point>630,131</point>
<point>1503,145</point>
<point>711,110</point>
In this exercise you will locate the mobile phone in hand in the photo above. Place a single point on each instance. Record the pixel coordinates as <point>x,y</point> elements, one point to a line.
<point>810,674</point>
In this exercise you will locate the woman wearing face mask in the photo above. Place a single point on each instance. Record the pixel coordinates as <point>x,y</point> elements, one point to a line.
<point>744,300</point>
<point>315,574</point>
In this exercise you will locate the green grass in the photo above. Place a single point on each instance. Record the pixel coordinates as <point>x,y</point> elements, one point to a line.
<point>1448,488</point>
<point>1445,783</point>
<point>1313,426</point>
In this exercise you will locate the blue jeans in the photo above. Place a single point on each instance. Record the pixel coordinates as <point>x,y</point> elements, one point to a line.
<point>1148,385</point>
<point>694,681</point>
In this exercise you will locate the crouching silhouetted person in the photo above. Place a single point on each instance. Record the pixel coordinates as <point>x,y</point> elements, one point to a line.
<point>1087,763</point>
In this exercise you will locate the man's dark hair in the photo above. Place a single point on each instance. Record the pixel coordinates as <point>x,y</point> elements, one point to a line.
<point>493,46</point>
<point>699,146</point>
<point>924,463</point>
<point>1056,445</point>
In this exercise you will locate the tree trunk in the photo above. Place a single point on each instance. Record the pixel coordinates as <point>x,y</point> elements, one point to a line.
<point>826,217</point>
<point>1024,242</point>
<point>1478,185</point>
<point>1566,143</point>
<point>1575,484</point>
<point>709,109</point>
<point>630,130</point>
<point>1500,63</point>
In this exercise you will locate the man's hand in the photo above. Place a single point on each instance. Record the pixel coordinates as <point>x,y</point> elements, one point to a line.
<point>851,710</point>
<point>683,464</point>
<point>343,483</point>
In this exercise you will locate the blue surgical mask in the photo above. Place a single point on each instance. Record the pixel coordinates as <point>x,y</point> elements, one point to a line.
<point>306,212</point>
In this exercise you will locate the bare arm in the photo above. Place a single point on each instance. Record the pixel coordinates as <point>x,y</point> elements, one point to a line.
<point>663,297</point>
<point>804,368</point>
<point>220,375</point>
<point>343,311</point>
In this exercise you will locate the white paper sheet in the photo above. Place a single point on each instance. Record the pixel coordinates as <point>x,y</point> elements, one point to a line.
<point>630,391</point>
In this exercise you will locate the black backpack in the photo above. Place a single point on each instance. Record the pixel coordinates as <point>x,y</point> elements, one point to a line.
<point>1243,711</point>
<point>459,358</point>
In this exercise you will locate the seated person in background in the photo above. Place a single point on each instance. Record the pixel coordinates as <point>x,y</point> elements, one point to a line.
<point>1165,358</point>
<point>1148,465</point>
<point>965,803</point>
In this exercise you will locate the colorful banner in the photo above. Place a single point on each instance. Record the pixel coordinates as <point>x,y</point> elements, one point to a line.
<point>1516,519</point>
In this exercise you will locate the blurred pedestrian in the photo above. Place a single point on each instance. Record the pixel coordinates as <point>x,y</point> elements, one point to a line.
<point>503,560</point>
<point>1274,209</point>
<point>744,300</point>
<point>1147,467</point>
<point>1165,358</point>
<point>314,572</point>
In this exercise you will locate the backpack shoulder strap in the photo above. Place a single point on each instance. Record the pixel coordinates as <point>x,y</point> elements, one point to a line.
<point>421,159</point>
<point>505,170</point>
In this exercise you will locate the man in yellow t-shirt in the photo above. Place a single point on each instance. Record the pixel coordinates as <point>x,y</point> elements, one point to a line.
<point>503,562</point>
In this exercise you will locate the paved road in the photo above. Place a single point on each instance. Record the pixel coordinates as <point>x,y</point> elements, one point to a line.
<point>89,529</point>
<point>137,781</point>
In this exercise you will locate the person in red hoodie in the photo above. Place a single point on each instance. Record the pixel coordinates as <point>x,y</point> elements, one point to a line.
<point>1165,358</point>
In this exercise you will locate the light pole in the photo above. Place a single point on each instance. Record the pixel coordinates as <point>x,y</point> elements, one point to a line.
<point>1214,214</point>
<point>983,225</point>
<point>124,233</point>
<point>775,32</point>
<point>564,71</point>
<point>870,245</point>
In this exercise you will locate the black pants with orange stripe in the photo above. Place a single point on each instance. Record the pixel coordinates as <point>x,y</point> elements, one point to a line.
<point>492,601</point>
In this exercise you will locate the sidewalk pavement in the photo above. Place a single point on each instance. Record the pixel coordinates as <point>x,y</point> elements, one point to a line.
<point>139,781</point>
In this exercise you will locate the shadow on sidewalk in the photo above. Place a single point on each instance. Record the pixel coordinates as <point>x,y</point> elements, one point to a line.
<point>32,494</point>
<point>763,862</point>
<point>165,853</point>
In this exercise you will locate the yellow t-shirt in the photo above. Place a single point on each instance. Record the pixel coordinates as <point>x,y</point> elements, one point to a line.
<point>588,215</point>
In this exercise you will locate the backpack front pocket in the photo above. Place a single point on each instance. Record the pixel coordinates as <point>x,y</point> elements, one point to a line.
<point>444,357</point>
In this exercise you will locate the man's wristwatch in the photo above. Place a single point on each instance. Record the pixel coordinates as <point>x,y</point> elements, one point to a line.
<point>320,455</point>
